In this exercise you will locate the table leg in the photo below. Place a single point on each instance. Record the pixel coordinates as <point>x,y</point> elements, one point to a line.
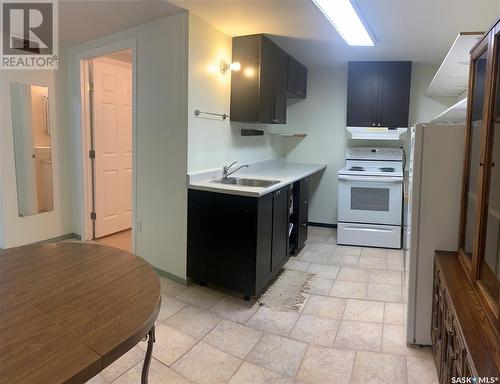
<point>147,359</point>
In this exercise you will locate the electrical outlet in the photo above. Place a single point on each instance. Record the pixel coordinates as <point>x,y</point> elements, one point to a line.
<point>138,226</point>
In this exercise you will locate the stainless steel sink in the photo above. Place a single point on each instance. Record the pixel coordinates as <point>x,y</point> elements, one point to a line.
<point>258,183</point>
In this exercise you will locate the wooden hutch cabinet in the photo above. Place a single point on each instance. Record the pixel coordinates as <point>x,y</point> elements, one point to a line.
<point>466,297</point>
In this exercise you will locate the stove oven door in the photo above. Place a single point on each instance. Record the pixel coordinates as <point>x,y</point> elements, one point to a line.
<point>370,199</point>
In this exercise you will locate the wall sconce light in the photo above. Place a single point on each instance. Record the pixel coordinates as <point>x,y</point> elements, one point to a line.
<point>249,72</point>
<point>224,67</point>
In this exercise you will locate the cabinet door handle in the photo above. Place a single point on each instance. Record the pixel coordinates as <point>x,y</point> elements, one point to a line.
<point>275,121</point>
<point>379,124</point>
<point>304,202</point>
<point>304,225</point>
<point>373,124</point>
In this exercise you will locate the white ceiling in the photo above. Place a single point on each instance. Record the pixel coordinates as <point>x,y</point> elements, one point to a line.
<point>85,20</point>
<point>416,30</point>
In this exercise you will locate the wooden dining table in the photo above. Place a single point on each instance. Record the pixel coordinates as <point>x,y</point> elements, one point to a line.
<point>70,309</point>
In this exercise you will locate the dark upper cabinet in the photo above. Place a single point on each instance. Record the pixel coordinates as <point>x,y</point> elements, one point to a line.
<point>278,61</point>
<point>394,93</point>
<point>362,92</point>
<point>247,89</point>
<point>296,79</point>
<point>280,228</point>
<point>259,90</point>
<point>267,88</point>
<point>378,93</point>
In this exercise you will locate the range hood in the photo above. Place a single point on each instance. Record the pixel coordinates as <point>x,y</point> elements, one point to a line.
<point>375,133</point>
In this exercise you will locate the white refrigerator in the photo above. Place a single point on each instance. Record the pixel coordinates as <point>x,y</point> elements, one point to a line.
<point>435,188</point>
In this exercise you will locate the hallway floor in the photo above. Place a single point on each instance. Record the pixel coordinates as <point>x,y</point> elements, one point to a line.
<point>351,328</point>
<point>122,240</point>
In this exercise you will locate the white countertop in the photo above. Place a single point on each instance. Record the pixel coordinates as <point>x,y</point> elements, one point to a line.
<point>274,169</point>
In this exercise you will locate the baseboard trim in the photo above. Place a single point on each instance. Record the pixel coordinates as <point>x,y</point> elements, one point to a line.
<point>171,276</point>
<point>62,238</point>
<point>322,225</point>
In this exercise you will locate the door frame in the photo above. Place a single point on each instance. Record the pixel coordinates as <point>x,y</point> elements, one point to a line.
<point>83,110</point>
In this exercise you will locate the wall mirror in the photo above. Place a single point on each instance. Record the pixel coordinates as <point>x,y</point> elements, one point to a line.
<point>32,148</point>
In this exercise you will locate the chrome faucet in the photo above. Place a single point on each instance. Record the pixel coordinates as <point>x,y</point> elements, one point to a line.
<point>226,168</point>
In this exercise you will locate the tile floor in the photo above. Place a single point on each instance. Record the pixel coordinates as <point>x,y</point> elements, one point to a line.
<point>351,329</point>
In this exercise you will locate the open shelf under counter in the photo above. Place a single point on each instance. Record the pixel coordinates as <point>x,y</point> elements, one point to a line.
<point>288,134</point>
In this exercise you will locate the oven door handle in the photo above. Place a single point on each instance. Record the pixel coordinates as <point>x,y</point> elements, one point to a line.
<point>381,179</point>
<point>366,229</point>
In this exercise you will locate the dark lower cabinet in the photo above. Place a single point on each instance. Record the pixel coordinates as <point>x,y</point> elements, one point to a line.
<point>237,242</point>
<point>299,216</point>
<point>303,213</point>
<point>280,228</point>
<point>263,247</point>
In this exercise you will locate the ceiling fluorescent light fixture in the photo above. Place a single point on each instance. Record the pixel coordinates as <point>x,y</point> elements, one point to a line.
<point>345,19</point>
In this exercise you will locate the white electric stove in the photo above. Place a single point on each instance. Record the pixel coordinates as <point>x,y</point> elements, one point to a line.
<point>370,198</point>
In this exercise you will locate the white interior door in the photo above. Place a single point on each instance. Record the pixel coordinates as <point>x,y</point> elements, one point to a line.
<point>113,146</point>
